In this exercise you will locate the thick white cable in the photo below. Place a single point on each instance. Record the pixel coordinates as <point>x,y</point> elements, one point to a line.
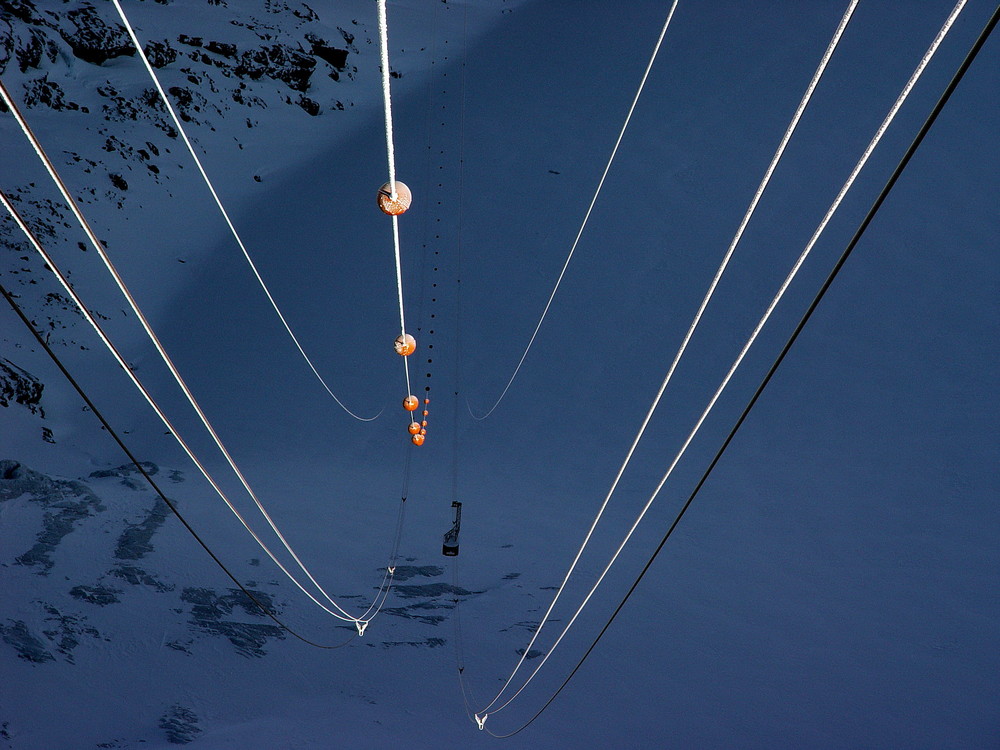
<point>383,39</point>
<point>225,214</point>
<point>586,218</point>
<point>399,292</point>
<point>134,305</point>
<point>50,263</point>
<point>817,75</point>
<point>774,302</point>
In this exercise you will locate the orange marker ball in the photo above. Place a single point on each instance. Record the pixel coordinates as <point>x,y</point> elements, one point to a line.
<point>423,431</point>
<point>410,403</point>
<point>427,400</point>
<point>426,412</point>
<point>418,439</point>
<point>414,428</point>
<point>422,424</point>
<point>404,345</point>
<point>398,206</point>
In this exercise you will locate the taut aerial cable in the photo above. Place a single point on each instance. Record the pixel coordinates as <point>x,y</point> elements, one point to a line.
<point>914,77</point>
<point>154,339</point>
<point>869,217</point>
<point>800,109</point>
<point>225,214</point>
<point>267,611</point>
<point>50,263</point>
<point>586,218</point>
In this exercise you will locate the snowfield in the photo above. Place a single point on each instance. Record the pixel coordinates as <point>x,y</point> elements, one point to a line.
<point>833,586</point>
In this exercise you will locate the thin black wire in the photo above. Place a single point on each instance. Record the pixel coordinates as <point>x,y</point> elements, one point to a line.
<point>131,456</point>
<point>960,73</point>
<point>459,386</point>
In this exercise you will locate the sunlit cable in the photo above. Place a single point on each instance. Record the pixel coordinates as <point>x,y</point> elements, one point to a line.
<point>225,214</point>
<point>774,302</point>
<point>586,218</point>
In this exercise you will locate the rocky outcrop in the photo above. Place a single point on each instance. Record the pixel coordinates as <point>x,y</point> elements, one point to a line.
<point>19,386</point>
<point>28,646</point>
<point>180,725</point>
<point>92,40</point>
<point>66,503</point>
<point>209,611</point>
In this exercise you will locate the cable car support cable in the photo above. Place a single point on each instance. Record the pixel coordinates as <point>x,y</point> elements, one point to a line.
<point>154,339</point>
<point>586,218</point>
<point>869,217</point>
<point>817,75</point>
<point>119,358</point>
<point>383,34</point>
<point>225,213</point>
<point>774,302</point>
<point>267,611</point>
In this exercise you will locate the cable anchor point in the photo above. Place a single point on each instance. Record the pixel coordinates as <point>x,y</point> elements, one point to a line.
<point>361,625</point>
<point>481,721</point>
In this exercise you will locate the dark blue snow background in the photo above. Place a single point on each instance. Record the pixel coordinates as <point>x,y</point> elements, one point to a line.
<point>834,584</point>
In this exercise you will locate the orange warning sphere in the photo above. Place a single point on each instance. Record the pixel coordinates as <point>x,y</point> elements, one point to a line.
<point>397,206</point>
<point>414,428</point>
<point>418,439</point>
<point>424,423</point>
<point>410,403</point>
<point>423,431</point>
<point>405,345</point>
<point>426,412</point>
<point>427,400</point>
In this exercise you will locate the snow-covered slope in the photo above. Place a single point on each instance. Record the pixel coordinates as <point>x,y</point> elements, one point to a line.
<point>834,585</point>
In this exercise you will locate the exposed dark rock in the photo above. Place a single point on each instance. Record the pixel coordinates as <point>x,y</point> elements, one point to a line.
<point>325,51</point>
<point>184,646</point>
<point>277,61</point>
<point>406,572</point>
<point>28,647</point>
<point>208,609</point>
<point>160,54</point>
<point>23,10</point>
<point>94,41</point>
<point>429,590</point>
<point>533,654</point>
<point>408,614</point>
<point>135,541</point>
<point>180,724</point>
<point>30,53</point>
<point>66,631</point>
<point>118,181</point>
<point>309,106</point>
<point>66,502</point>
<point>139,577</point>
<point>145,106</point>
<point>6,43</point>
<point>221,48</point>
<point>426,643</point>
<point>126,472</point>
<point>100,595</point>
<point>20,387</point>
<point>47,93</point>
<point>186,101</point>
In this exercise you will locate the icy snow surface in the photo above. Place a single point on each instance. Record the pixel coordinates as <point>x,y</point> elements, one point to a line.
<point>833,586</point>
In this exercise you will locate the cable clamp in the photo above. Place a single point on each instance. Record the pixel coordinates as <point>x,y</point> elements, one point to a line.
<point>481,721</point>
<point>361,625</point>
<point>392,570</point>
